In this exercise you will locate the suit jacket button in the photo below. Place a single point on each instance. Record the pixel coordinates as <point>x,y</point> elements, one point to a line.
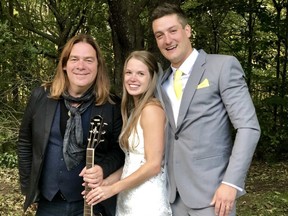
<point>176,137</point>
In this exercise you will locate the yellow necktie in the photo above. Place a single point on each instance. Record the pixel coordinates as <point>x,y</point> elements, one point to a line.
<point>178,84</point>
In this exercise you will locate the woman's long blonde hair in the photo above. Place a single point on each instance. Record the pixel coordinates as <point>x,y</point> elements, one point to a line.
<point>60,82</point>
<point>130,113</point>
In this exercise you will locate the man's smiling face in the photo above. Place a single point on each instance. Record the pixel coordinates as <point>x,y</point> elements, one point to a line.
<point>172,39</point>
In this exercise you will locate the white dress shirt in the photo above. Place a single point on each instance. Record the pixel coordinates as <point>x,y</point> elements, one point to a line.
<point>186,68</point>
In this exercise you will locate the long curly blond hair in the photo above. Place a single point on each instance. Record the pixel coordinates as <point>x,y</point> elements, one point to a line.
<point>60,82</point>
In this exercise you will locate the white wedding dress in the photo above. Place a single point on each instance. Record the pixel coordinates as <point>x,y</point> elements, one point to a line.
<point>149,198</point>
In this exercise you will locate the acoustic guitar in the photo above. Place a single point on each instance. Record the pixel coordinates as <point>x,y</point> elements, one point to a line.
<point>94,139</point>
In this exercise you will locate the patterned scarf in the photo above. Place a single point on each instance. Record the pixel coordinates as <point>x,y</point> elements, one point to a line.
<point>73,148</point>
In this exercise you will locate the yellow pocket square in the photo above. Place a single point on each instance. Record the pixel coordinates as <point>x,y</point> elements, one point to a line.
<point>203,84</point>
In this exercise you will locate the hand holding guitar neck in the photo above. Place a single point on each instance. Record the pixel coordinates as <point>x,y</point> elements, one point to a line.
<point>94,139</point>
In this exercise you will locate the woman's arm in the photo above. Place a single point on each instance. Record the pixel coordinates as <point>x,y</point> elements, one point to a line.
<point>152,122</point>
<point>113,178</point>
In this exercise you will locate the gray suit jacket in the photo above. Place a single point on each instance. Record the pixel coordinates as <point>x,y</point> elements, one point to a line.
<point>200,151</point>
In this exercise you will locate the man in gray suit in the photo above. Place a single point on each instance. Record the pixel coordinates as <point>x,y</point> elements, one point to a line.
<point>206,167</point>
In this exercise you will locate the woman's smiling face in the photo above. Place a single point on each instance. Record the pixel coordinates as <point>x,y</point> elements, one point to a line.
<point>136,78</point>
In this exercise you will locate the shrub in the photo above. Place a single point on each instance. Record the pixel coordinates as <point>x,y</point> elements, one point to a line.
<point>8,160</point>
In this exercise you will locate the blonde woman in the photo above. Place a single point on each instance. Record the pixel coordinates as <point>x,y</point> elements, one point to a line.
<point>142,187</point>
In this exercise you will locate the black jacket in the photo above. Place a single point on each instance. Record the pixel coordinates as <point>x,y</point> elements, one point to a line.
<point>34,133</point>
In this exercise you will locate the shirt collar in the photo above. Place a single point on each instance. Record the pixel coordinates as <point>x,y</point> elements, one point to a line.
<point>187,65</point>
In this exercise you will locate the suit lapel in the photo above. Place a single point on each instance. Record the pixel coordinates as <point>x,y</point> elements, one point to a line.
<point>166,100</point>
<point>49,116</point>
<point>191,85</point>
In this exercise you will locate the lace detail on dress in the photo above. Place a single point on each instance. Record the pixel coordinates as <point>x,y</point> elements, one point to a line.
<point>149,198</point>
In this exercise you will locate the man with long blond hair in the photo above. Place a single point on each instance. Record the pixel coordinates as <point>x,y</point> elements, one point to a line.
<point>54,131</point>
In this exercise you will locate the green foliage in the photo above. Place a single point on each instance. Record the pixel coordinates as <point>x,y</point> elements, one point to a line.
<point>266,188</point>
<point>273,142</point>
<point>272,115</point>
<point>32,34</point>
<point>9,126</point>
<point>8,160</point>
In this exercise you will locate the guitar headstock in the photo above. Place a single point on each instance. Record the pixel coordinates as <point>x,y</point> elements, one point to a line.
<point>97,126</point>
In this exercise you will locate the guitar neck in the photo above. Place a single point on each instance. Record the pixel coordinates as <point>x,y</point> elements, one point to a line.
<point>88,209</point>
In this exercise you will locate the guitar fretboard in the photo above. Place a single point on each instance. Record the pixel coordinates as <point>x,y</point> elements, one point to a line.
<point>88,209</point>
